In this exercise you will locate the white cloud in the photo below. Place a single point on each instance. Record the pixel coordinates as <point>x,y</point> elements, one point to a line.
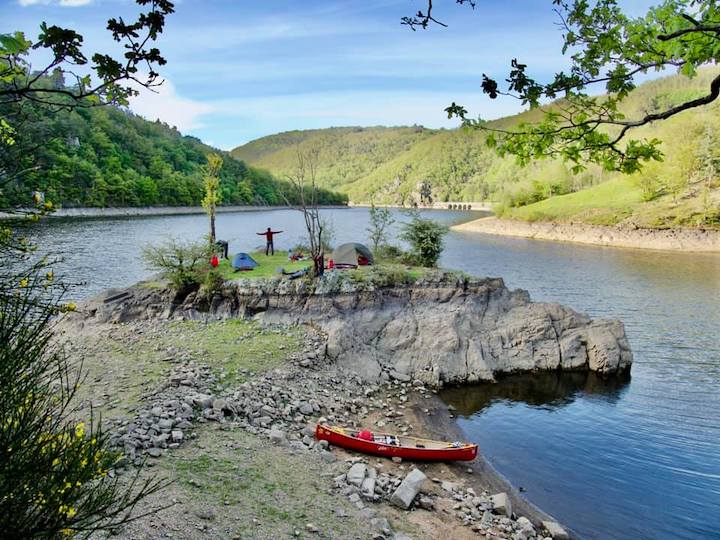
<point>165,104</point>
<point>62,3</point>
<point>75,3</point>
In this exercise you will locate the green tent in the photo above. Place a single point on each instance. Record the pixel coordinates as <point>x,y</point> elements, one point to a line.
<point>351,254</point>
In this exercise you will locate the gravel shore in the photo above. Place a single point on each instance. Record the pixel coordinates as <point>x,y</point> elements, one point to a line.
<point>235,434</point>
<point>690,240</point>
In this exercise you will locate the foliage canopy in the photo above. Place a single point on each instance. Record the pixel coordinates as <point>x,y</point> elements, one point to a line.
<point>608,50</point>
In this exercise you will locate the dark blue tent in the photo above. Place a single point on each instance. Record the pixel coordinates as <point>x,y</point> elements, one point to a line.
<point>243,261</point>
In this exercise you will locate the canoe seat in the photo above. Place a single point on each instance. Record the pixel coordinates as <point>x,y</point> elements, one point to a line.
<point>392,440</point>
<point>418,445</point>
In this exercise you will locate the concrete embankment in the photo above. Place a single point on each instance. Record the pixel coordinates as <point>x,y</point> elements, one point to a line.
<point>690,240</point>
<point>149,211</point>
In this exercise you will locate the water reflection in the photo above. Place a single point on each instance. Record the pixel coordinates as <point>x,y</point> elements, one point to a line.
<point>543,390</point>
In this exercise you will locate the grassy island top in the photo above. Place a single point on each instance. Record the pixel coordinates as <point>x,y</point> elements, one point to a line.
<point>380,274</point>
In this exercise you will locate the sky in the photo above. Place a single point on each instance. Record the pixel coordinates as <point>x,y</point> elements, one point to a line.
<point>239,69</point>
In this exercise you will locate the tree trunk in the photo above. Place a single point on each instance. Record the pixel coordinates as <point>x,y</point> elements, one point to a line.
<point>212,226</point>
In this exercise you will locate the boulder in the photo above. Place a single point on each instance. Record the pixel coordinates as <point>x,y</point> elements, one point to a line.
<point>555,530</point>
<point>277,436</point>
<point>408,489</point>
<point>367,488</point>
<point>527,530</point>
<point>356,474</point>
<point>501,504</point>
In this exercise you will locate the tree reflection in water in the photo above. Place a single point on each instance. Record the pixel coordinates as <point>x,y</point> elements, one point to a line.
<point>547,390</point>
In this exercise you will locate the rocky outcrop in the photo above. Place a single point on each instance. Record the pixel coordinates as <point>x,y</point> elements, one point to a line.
<point>441,329</point>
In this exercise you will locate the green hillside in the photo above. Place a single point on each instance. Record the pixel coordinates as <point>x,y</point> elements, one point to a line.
<point>403,165</point>
<point>106,156</point>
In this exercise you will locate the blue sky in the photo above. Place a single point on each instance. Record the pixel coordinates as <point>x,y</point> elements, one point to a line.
<point>238,69</point>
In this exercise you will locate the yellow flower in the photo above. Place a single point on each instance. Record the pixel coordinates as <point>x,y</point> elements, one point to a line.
<point>80,430</point>
<point>50,275</point>
<point>72,306</point>
<point>71,513</point>
<point>24,282</point>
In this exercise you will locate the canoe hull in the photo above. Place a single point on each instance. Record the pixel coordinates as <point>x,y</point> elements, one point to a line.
<point>333,436</point>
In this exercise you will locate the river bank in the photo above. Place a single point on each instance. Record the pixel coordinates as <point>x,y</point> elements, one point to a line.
<point>152,211</point>
<point>689,240</point>
<point>233,428</point>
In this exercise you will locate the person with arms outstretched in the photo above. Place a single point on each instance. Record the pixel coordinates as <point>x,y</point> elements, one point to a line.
<point>269,248</point>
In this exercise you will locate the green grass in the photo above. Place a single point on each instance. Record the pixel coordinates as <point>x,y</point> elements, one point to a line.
<point>604,204</point>
<point>267,266</point>
<point>244,479</point>
<point>123,365</point>
<point>234,348</point>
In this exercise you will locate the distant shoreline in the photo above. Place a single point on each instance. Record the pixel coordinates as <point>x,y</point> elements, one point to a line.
<point>89,212</point>
<point>686,240</point>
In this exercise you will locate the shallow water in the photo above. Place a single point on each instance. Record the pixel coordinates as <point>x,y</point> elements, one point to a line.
<point>636,458</point>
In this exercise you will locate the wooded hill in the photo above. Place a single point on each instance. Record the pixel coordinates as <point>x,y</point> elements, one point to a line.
<point>402,165</point>
<point>106,156</point>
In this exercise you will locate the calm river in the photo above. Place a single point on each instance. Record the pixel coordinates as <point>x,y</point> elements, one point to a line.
<point>623,459</point>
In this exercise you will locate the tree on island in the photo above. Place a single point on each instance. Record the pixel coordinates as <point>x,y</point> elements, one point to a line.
<point>380,222</point>
<point>608,50</point>
<point>54,469</point>
<point>212,190</point>
<point>303,195</point>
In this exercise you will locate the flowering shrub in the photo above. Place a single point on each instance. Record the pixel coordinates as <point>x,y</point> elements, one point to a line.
<point>55,479</point>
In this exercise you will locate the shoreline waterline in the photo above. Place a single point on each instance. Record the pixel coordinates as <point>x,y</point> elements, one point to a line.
<point>142,211</point>
<point>442,425</point>
<point>684,240</point>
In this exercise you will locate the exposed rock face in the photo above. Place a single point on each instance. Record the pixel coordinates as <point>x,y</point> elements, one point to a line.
<point>445,330</point>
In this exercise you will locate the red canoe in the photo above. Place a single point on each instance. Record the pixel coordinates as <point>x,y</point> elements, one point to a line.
<point>383,444</point>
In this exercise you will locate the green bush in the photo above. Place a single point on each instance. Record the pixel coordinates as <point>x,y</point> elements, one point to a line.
<point>184,264</point>
<point>380,222</point>
<point>426,239</point>
<point>212,283</point>
<point>55,469</point>
<point>385,253</point>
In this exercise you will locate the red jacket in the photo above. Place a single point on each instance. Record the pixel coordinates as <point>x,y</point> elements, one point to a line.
<point>268,234</point>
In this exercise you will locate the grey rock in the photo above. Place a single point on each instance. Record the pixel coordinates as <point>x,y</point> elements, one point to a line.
<point>203,401</point>
<point>445,329</point>
<point>450,487</point>
<point>408,489</point>
<point>356,474</point>
<point>306,408</point>
<point>206,514</point>
<point>555,530</point>
<point>426,503</point>
<point>367,488</point>
<point>501,504</point>
<point>527,530</point>
<point>380,524</point>
<point>277,436</point>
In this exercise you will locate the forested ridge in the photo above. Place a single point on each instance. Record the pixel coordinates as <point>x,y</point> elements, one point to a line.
<point>110,157</point>
<point>407,165</point>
